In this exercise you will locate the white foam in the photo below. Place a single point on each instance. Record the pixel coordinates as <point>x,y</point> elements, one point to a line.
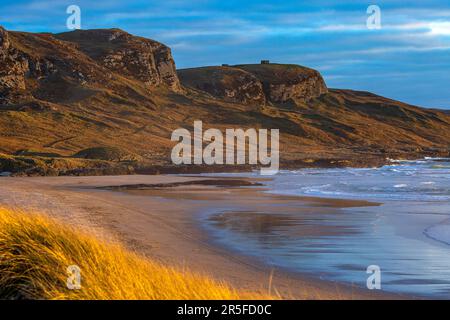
<point>437,158</point>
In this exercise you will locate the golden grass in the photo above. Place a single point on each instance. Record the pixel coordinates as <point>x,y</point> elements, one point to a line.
<point>36,250</point>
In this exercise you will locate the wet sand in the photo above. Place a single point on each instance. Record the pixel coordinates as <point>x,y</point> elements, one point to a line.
<point>158,216</point>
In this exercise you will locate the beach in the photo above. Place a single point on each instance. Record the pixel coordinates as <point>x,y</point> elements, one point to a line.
<point>161,220</point>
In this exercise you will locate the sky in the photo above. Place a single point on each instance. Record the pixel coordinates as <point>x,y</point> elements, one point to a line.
<point>407,58</point>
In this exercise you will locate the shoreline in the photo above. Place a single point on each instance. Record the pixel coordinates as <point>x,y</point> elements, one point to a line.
<point>98,167</point>
<point>164,225</point>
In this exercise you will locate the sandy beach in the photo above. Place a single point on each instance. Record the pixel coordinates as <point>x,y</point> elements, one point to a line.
<point>160,219</point>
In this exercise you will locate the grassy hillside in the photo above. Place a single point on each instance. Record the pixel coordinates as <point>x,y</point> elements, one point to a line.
<point>74,100</point>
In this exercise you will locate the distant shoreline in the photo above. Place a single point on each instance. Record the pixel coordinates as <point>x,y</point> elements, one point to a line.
<point>65,166</point>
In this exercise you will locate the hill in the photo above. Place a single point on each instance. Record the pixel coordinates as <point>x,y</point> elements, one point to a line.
<point>64,93</point>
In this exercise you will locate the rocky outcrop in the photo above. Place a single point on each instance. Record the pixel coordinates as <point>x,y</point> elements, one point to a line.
<point>39,66</point>
<point>55,68</point>
<point>142,59</point>
<point>303,89</point>
<point>13,65</point>
<point>229,84</point>
<point>256,83</point>
<point>4,42</point>
<point>283,82</point>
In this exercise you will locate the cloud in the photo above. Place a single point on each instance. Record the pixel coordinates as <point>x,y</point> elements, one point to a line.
<point>440,28</point>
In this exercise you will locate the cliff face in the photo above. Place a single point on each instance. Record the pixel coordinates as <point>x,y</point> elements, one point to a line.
<point>39,66</point>
<point>58,67</point>
<point>256,83</point>
<point>142,59</point>
<point>229,84</point>
<point>13,65</point>
<point>284,82</point>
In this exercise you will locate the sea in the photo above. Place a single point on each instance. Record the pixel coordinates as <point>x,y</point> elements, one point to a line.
<point>406,237</point>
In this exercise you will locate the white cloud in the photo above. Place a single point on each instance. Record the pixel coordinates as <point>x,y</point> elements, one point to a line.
<point>440,28</point>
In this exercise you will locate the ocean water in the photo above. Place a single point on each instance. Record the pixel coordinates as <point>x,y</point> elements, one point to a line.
<point>407,236</point>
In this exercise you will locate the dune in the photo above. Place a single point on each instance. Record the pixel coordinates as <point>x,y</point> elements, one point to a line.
<point>37,252</point>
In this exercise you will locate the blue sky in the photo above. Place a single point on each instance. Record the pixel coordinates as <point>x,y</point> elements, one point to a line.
<point>407,59</point>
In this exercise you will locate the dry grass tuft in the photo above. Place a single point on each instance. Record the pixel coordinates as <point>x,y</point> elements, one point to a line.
<point>36,250</point>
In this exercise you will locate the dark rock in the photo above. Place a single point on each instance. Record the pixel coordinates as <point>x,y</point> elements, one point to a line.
<point>227,83</point>
<point>142,59</point>
<point>256,84</point>
<point>283,82</point>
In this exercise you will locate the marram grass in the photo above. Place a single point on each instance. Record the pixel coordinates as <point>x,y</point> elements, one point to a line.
<point>36,250</point>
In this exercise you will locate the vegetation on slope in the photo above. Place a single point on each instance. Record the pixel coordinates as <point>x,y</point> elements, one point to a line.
<point>35,252</point>
<point>107,153</point>
<point>80,90</point>
<point>42,165</point>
